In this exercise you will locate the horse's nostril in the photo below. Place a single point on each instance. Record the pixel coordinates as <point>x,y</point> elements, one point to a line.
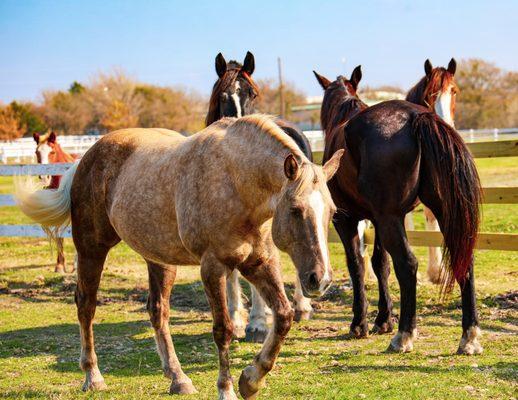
<point>313,280</point>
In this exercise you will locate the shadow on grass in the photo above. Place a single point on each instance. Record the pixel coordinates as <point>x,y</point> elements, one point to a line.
<point>121,347</point>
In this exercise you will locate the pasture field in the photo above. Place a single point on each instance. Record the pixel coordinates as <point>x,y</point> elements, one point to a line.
<point>39,336</point>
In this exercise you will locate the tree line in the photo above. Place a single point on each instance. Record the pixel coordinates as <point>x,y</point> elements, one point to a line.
<point>488,98</point>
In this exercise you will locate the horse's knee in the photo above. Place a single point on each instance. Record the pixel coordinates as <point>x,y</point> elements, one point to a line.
<point>156,312</point>
<point>283,320</point>
<point>223,334</point>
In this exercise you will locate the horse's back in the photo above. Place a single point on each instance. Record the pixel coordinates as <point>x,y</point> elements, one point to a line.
<point>385,150</point>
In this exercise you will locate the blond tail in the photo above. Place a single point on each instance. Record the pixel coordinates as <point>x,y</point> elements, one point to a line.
<point>48,207</point>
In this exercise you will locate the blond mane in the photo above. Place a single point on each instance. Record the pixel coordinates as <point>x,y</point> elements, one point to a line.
<point>268,130</point>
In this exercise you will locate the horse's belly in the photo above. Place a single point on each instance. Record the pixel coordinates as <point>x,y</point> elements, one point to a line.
<point>152,241</point>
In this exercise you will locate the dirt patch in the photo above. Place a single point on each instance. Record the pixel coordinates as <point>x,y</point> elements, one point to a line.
<point>508,300</point>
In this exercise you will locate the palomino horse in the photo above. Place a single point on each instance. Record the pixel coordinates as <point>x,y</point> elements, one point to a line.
<point>397,154</point>
<point>437,92</point>
<point>221,198</point>
<point>233,95</point>
<point>48,151</point>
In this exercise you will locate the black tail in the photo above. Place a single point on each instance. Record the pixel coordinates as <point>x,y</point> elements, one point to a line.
<point>450,166</point>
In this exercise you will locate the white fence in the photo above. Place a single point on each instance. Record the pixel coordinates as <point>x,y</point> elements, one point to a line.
<point>23,149</point>
<point>316,137</point>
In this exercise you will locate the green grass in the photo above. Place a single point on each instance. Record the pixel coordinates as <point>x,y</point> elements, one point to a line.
<point>39,337</point>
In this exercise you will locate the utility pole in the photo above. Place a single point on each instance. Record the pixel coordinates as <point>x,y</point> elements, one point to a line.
<point>281,89</point>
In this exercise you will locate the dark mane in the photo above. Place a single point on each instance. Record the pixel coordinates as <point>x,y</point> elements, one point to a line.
<point>222,84</point>
<point>340,104</point>
<point>425,91</point>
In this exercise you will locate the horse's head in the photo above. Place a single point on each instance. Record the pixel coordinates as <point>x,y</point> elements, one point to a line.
<point>340,101</point>
<point>45,147</point>
<point>301,220</point>
<point>437,90</point>
<point>234,91</point>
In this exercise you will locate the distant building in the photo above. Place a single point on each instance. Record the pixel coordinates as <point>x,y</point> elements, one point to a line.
<point>308,114</point>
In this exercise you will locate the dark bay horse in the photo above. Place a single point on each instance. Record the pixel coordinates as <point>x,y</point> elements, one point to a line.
<point>224,198</point>
<point>233,95</point>
<point>48,151</point>
<point>436,91</point>
<point>397,154</point>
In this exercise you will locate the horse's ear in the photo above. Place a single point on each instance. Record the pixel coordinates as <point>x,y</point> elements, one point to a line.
<point>452,66</point>
<point>291,167</point>
<point>356,76</point>
<point>221,65</point>
<point>52,137</point>
<point>249,64</point>
<point>324,82</point>
<point>36,137</point>
<point>428,67</point>
<point>331,166</point>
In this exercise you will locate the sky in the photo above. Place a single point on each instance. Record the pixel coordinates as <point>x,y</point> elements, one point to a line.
<point>46,45</point>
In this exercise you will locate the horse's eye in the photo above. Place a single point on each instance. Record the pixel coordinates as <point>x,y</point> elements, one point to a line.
<point>224,96</point>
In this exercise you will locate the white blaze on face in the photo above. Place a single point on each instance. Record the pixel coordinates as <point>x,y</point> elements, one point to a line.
<point>316,202</point>
<point>44,150</point>
<point>443,106</point>
<point>237,101</point>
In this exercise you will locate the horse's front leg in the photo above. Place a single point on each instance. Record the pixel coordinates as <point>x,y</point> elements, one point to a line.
<point>434,253</point>
<point>302,305</point>
<point>235,304</point>
<point>257,328</point>
<point>268,282</point>
<point>347,229</point>
<point>60,262</point>
<point>214,277</point>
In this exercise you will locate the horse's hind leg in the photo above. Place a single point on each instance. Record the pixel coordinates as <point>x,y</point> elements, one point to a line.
<point>60,262</point>
<point>267,279</point>
<point>89,269</point>
<point>381,267</point>
<point>393,237</point>
<point>161,281</point>
<point>214,275</point>
<point>469,343</point>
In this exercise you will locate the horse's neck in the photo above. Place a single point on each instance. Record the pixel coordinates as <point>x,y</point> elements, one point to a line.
<point>258,176</point>
<point>347,110</point>
<point>61,155</point>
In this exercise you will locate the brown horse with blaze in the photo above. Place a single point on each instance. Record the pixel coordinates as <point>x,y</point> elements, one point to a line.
<point>436,91</point>
<point>48,151</point>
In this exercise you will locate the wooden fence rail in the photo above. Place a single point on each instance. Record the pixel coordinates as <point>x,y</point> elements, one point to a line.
<point>492,195</point>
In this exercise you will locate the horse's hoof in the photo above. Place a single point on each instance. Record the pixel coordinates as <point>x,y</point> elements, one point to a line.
<point>302,315</point>
<point>185,387</point>
<point>95,386</point>
<point>402,342</point>
<point>256,335</point>
<point>227,394</point>
<point>359,331</point>
<point>469,344</point>
<point>249,384</point>
<point>60,268</point>
<point>239,333</point>
<point>380,328</point>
